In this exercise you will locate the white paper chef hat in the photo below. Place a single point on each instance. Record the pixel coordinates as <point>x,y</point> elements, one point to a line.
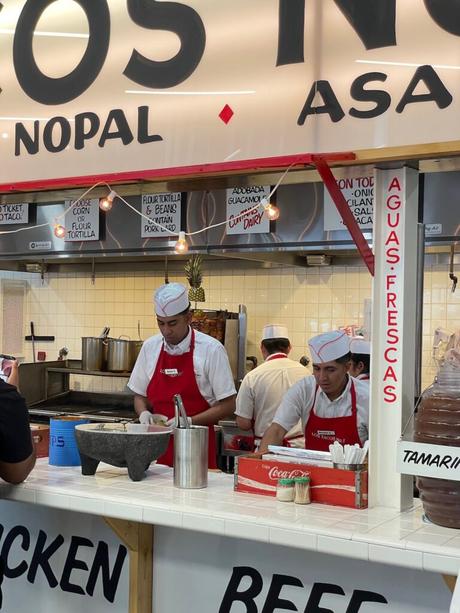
<point>171,299</point>
<point>329,346</point>
<point>359,345</point>
<point>274,331</point>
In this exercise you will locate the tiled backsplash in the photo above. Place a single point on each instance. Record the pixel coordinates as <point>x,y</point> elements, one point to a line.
<point>308,301</point>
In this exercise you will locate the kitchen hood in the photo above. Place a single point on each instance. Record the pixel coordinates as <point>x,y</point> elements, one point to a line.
<point>299,232</point>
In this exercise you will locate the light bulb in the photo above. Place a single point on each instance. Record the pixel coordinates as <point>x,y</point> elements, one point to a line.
<point>59,231</point>
<point>181,246</point>
<point>272,212</point>
<point>105,204</point>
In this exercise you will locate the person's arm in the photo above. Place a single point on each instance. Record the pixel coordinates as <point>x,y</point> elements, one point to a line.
<point>273,436</point>
<point>245,406</point>
<point>13,379</point>
<point>143,409</point>
<point>219,374</point>
<point>18,471</point>
<point>141,404</point>
<point>243,423</point>
<point>223,409</point>
<point>138,383</point>
<point>17,451</point>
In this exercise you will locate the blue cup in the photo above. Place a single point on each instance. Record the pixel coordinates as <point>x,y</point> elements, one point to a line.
<point>63,445</point>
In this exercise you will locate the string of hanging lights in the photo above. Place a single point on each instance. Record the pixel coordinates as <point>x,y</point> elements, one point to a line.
<point>271,211</point>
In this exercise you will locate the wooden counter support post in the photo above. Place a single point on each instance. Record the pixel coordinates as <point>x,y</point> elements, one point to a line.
<point>138,539</point>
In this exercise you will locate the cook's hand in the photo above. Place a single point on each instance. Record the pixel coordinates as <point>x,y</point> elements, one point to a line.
<point>13,378</point>
<point>172,422</point>
<point>146,418</point>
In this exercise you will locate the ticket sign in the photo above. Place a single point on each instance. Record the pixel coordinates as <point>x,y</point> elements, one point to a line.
<point>164,213</point>
<point>14,213</point>
<point>245,214</point>
<point>359,193</point>
<point>82,220</point>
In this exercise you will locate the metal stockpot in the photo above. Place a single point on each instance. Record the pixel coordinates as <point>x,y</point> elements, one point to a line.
<point>92,353</point>
<point>135,348</point>
<point>119,355</point>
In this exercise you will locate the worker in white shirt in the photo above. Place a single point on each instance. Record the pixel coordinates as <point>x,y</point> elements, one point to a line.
<point>263,388</point>
<point>182,361</point>
<point>360,358</point>
<point>332,405</point>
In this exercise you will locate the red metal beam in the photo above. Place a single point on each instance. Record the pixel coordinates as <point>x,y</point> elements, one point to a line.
<point>344,211</point>
<point>282,162</point>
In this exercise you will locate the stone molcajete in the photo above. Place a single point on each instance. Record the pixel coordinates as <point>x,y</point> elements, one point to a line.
<point>113,444</point>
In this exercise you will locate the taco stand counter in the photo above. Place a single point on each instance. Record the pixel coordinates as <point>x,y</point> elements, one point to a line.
<point>217,522</point>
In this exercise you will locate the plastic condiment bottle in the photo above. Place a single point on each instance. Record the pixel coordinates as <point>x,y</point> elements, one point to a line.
<point>302,490</point>
<point>285,490</point>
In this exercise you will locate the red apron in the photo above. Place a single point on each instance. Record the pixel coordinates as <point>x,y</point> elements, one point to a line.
<point>320,432</point>
<point>174,374</point>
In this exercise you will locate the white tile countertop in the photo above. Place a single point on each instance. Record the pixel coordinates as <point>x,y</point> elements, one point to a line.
<point>378,535</point>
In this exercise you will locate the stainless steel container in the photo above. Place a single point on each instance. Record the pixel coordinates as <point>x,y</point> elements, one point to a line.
<point>92,353</point>
<point>191,457</point>
<point>119,355</point>
<point>135,349</point>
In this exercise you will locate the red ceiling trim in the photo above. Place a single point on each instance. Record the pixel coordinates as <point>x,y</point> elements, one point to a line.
<point>252,165</point>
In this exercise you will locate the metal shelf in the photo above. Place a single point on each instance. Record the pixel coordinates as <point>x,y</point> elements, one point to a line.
<point>96,373</point>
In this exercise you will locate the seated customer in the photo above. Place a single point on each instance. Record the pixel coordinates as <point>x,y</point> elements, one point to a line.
<point>332,405</point>
<point>263,388</point>
<point>17,453</point>
<point>360,358</point>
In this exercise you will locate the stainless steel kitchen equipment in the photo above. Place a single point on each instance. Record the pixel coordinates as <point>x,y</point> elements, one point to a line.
<point>190,451</point>
<point>92,353</point>
<point>46,389</point>
<point>120,355</point>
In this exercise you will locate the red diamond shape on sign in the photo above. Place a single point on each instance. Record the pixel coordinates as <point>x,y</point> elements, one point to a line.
<point>226,114</point>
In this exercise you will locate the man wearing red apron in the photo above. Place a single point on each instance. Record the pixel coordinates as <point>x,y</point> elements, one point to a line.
<point>182,361</point>
<point>360,358</point>
<point>332,405</point>
<point>263,388</point>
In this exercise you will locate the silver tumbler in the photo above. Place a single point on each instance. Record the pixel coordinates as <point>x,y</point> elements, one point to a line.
<point>191,457</point>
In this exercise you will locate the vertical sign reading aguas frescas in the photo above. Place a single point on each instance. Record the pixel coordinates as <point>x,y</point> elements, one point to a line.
<point>393,199</point>
<point>164,212</point>
<point>82,220</point>
<point>243,213</point>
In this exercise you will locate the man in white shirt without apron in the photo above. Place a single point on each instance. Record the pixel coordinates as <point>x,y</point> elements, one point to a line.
<point>182,361</point>
<point>360,358</point>
<point>331,404</point>
<point>263,388</point>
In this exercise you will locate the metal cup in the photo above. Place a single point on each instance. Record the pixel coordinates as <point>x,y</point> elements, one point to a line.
<point>355,467</point>
<point>191,457</point>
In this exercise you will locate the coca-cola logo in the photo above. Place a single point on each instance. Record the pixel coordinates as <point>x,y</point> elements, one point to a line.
<point>276,473</point>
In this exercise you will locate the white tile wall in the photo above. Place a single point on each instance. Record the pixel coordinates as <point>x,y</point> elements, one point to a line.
<point>308,301</point>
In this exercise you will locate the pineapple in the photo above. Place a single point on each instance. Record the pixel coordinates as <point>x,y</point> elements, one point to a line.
<point>194,277</point>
